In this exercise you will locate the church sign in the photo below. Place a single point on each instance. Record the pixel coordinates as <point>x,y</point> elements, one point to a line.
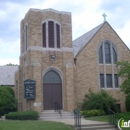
<point>29,89</point>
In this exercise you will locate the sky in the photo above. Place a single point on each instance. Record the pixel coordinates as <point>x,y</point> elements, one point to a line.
<point>86,14</point>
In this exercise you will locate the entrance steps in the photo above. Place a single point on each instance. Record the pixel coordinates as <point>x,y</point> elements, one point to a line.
<point>51,114</point>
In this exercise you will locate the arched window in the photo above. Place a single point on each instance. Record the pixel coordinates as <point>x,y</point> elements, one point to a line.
<point>101,55</point>
<point>107,53</point>
<point>114,56</point>
<point>51,77</point>
<point>44,34</point>
<point>58,35</point>
<point>51,34</point>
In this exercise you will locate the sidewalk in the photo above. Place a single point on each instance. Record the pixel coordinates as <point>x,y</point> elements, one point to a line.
<point>71,121</point>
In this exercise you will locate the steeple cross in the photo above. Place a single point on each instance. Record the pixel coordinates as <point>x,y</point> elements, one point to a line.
<point>104,16</point>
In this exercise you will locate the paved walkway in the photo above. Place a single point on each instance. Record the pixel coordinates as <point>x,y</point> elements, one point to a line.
<point>71,121</point>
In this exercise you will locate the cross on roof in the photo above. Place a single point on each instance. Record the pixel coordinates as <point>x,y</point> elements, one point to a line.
<point>104,16</point>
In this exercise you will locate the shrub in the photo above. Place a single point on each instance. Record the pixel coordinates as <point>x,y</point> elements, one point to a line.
<point>101,101</point>
<point>1,112</point>
<point>9,89</point>
<point>89,113</point>
<point>125,115</point>
<point>8,103</point>
<point>127,103</point>
<point>25,115</point>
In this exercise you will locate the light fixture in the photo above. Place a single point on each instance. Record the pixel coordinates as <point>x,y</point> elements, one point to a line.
<point>53,57</point>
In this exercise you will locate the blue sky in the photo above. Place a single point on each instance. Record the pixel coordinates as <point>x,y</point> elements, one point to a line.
<point>86,14</point>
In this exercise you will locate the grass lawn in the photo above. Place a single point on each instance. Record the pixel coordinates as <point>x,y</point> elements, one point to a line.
<point>103,119</point>
<point>33,125</point>
<point>98,118</point>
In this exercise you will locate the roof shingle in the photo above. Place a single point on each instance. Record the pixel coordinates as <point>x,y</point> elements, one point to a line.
<point>7,75</point>
<point>80,42</point>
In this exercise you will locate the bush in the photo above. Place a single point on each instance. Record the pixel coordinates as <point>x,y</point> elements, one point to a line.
<point>9,89</point>
<point>8,103</point>
<point>89,113</point>
<point>127,103</point>
<point>1,112</point>
<point>100,101</point>
<point>25,115</point>
<point>125,115</point>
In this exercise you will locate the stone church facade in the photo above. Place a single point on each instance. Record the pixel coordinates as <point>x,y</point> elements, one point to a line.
<point>65,70</point>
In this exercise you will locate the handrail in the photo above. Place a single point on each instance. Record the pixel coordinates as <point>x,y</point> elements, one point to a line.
<point>77,119</point>
<point>111,117</point>
<point>57,107</point>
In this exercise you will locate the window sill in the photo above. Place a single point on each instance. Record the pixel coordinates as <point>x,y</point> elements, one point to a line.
<point>111,88</point>
<point>106,64</point>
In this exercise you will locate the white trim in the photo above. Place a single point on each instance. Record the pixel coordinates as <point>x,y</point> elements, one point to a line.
<point>25,44</point>
<point>47,20</point>
<point>23,53</point>
<point>110,88</point>
<point>38,48</point>
<point>52,68</point>
<point>50,10</point>
<point>35,48</point>
<point>66,49</point>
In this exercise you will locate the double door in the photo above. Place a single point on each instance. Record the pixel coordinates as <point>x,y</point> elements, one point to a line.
<point>52,93</point>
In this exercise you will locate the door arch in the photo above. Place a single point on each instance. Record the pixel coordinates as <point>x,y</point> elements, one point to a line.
<point>52,90</point>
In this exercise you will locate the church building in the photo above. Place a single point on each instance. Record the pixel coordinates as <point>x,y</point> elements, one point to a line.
<point>55,69</point>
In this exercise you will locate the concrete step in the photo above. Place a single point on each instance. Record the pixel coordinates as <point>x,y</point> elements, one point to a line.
<point>104,126</point>
<point>56,114</point>
<point>50,118</point>
<point>51,114</point>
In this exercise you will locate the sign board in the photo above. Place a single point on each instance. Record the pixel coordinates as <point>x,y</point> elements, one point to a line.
<point>29,89</point>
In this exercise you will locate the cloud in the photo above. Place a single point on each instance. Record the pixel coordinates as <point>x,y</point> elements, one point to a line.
<point>9,60</point>
<point>124,33</point>
<point>86,15</point>
<point>118,12</point>
<point>9,50</point>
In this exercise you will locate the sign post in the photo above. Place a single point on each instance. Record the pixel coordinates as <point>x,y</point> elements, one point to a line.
<point>29,89</point>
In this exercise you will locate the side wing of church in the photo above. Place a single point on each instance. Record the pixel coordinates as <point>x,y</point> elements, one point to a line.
<point>96,53</point>
<point>64,71</point>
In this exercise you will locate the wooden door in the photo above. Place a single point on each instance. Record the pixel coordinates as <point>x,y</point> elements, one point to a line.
<point>52,90</point>
<point>52,94</point>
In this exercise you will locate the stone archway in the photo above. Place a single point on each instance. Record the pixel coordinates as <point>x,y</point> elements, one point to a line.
<point>52,90</point>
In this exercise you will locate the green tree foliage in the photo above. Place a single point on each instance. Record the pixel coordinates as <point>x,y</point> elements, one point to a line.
<point>127,103</point>
<point>8,103</point>
<point>10,90</point>
<point>10,64</point>
<point>124,72</point>
<point>100,101</point>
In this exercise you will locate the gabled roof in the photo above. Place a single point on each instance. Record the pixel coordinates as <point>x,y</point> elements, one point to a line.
<point>7,74</point>
<point>80,42</point>
<point>83,40</point>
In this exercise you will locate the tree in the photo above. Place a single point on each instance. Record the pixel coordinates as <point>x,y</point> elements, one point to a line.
<point>8,103</point>
<point>10,64</point>
<point>127,103</point>
<point>9,89</point>
<point>124,72</point>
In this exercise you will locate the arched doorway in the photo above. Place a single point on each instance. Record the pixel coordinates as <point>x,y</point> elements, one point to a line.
<point>52,90</point>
